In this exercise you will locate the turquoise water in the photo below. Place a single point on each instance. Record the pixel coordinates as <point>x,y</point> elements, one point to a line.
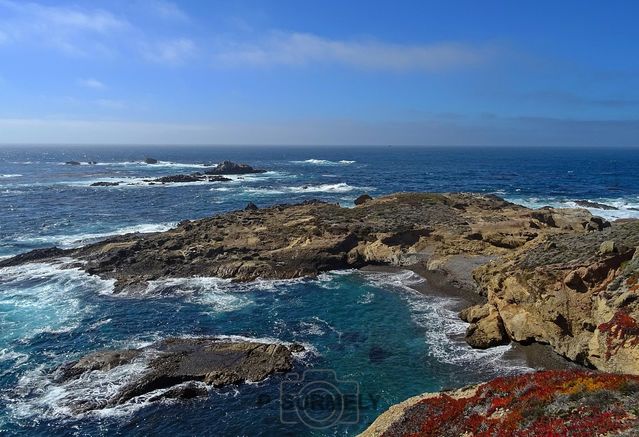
<point>371,330</point>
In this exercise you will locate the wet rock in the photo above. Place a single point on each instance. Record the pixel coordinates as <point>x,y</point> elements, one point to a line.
<point>362,199</point>
<point>105,184</point>
<point>73,163</point>
<point>229,167</point>
<point>595,205</point>
<point>92,162</point>
<point>251,207</point>
<point>183,366</point>
<point>148,160</point>
<point>101,360</point>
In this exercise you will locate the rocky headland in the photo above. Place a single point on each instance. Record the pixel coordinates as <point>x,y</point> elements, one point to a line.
<point>547,403</point>
<point>560,277</point>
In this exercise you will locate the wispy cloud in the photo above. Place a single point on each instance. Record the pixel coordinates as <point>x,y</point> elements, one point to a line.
<point>166,10</point>
<point>91,83</point>
<point>299,49</point>
<point>172,51</point>
<point>71,29</point>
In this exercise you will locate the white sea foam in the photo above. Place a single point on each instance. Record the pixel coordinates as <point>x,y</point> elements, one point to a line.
<point>444,330</point>
<point>43,298</point>
<point>67,241</point>
<point>627,207</point>
<point>322,188</point>
<point>10,175</point>
<point>313,161</point>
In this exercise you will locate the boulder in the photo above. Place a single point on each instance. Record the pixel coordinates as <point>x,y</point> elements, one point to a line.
<point>487,331</point>
<point>148,160</point>
<point>362,199</point>
<point>251,207</point>
<point>73,163</point>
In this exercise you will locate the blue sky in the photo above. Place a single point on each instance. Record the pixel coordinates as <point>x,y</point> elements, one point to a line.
<point>320,72</point>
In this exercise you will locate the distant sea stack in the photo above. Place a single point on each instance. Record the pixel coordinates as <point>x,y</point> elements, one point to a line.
<point>229,167</point>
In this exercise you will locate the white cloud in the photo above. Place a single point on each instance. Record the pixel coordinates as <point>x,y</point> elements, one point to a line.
<point>298,49</point>
<point>172,52</point>
<point>92,83</point>
<point>73,30</point>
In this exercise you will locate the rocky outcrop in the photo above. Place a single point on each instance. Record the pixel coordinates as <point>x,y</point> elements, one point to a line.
<point>595,205</point>
<point>541,403</point>
<point>232,168</point>
<point>73,163</point>
<point>486,327</point>
<point>105,184</point>
<point>362,199</point>
<point>578,293</point>
<point>148,160</point>
<point>195,177</point>
<point>288,241</point>
<point>175,368</point>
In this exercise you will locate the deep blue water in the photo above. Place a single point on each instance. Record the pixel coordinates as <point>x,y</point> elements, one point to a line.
<point>371,329</point>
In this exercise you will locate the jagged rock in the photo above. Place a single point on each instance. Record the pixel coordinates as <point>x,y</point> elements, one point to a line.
<point>362,199</point>
<point>575,294</point>
<point>148,160</point>
<point>475,313</point>
<point>487,331</point>
<point>180,364</point>
<point>251,207</point>
<point>229,167</point>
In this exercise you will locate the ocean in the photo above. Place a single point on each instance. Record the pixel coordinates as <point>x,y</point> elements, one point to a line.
<point>372,329</point>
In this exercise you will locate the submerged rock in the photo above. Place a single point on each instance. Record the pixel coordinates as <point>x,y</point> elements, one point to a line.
<point>181,368</point>
<point>73,163</point>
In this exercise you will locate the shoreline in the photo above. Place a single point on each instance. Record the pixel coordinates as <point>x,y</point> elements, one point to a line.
<point>449,284</point>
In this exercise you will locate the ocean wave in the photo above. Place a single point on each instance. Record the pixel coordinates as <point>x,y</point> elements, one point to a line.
<point>67,241</point>
<point>626,207</point>
<point>10,175</point>
<point>314,161</point>
<point>341,187</point>
<point>43,298</point>
<point>443,329</point>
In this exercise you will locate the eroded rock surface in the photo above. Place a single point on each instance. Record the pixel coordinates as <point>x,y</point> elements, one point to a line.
<point>288,241</point>
<point>175,366</point>
<point>579,293</point>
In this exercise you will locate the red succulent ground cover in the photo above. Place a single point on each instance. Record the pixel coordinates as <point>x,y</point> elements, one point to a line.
<point>545,403</point>
<point>622,330</point>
